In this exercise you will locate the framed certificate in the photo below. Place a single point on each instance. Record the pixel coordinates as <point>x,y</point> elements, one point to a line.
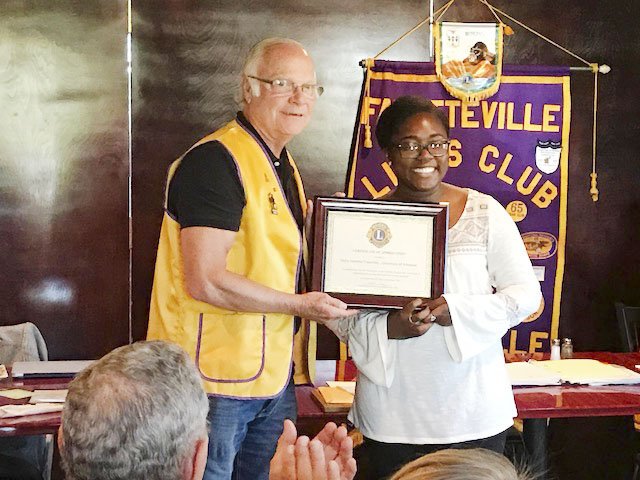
<point>373,253</point>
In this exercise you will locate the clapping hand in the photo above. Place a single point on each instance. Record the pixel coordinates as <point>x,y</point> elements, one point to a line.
<point>329,456</point>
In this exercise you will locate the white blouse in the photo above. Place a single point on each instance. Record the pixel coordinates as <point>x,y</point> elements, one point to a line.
<point>449,385</point>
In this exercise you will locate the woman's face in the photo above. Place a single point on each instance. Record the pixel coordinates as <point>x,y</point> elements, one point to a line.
<point>424,171</point>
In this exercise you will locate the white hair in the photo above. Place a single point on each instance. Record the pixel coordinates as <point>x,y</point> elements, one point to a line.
<point>253,62</point>
<point>135,414</point>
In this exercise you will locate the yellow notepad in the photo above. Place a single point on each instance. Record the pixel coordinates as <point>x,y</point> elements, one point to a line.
<point>335,395</point>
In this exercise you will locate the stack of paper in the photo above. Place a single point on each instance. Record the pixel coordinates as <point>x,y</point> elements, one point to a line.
<point>335,395</point>
<point>333,399</point>
<point>7,411</point>
<point>529,373</point>
<point>590,372</point>
<point>54,368</point>
<point>48,396</point>
<point>579,371</point>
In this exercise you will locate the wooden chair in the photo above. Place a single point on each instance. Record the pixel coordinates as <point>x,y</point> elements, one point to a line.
<point>28,457</point>
<point>629,326</point>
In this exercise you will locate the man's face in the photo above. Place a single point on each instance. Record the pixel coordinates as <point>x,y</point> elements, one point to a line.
<point>280,116</point>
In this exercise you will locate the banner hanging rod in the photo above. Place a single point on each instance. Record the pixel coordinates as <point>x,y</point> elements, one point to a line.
<point>600,68</point>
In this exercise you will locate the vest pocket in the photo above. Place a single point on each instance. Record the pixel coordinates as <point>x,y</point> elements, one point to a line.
<point>231,348</point>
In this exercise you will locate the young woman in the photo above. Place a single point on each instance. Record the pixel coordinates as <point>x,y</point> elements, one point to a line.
<point>432,375</point>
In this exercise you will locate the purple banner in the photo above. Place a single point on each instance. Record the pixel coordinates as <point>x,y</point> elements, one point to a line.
<point>513,146</point>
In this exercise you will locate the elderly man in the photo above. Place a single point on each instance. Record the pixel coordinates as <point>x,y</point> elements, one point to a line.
<point>139,413</point>
<point>228,271</point>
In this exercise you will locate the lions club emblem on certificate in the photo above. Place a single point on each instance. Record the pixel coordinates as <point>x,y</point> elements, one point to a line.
<point>379,234</point>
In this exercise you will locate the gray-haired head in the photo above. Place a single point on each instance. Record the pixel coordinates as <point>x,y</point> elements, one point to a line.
<point>470,464</point>
<point>137,413</point>
<point>253,63</point>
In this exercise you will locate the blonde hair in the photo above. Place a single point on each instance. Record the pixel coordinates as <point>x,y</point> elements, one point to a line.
<point>470,464</point>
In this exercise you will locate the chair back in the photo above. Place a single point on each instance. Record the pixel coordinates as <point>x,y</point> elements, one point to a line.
<point>21,343</point>
<point>28,457</point>
<point>629,326</point>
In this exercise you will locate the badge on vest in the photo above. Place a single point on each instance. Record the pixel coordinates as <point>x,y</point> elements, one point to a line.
<point>274,207</point>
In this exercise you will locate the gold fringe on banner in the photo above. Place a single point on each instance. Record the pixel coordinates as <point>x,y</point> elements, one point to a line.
<point>368,65</point>
<point>594,176</point>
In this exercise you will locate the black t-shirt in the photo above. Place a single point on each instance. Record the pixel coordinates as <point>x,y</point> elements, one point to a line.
<point>205,190</point>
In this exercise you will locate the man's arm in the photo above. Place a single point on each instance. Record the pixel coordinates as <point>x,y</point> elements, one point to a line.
<point>204,252</point>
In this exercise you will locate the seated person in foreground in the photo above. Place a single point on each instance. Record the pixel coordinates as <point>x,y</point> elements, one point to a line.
<point>450,464</point>
<point>140,413</point>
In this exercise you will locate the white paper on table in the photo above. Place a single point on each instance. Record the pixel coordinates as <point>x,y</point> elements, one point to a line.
<point>590,372</point>
<point>346,386</point>
<point>529,373</point>
<point>7,411</point>
<point>48,396</point>
<point>51,368</point>
<point>16,393</point>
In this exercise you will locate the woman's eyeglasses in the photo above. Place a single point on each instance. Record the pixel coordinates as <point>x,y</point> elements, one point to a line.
<point>414,149</point>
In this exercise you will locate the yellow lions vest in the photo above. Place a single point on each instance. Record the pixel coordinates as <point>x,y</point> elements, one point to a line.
<point>238,354</point>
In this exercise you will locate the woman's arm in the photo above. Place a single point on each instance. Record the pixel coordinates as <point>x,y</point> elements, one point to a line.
<point>371,350</point>
<point>479,320</point>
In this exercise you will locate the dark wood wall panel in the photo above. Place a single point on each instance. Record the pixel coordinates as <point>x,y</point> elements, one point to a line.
<point>63,173</point>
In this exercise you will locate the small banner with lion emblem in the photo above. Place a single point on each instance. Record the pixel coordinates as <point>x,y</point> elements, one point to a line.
<point>469,59</point>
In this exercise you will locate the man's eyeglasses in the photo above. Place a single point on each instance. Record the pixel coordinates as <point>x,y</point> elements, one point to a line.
<point>282,86</point>
<point>414,149</point>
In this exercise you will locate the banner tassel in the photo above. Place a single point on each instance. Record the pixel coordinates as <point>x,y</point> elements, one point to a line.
<point>594,176</point>
<point>595,68</point>
<point>367,136</point>
<point>368,64</point>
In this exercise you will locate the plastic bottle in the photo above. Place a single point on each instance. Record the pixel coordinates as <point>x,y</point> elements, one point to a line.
<point>567,349</point>
<point>555,349</point>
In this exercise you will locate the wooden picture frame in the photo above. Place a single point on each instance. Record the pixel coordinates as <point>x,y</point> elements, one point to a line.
<point>376,253</point>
